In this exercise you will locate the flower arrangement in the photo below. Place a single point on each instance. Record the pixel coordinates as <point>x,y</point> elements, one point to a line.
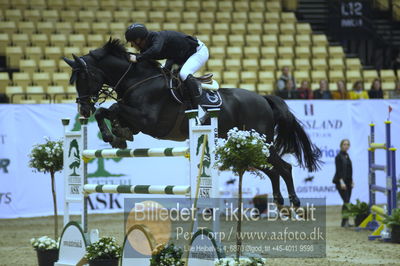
<point>240,262</point>
<point>44,243</point>
<point>105,248</point>
<point>166,255</point>
<point>242,151</point>
<point>48,158</point>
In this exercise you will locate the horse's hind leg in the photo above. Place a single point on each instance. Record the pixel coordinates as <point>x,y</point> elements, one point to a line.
<point>284,169</point>
<point>274,177</point>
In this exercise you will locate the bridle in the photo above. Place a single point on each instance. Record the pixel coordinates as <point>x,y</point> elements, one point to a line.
<point>105,90</point>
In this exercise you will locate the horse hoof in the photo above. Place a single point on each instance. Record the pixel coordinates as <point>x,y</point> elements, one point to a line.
<point>295,201</point>
<point>278,200</point>
<point>119,143</point>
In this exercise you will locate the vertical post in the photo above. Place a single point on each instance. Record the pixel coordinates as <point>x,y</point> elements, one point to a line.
<point>394,181</point>
<point>84,122</point>
<point>215,177</point>
<point>371,160</point>
<point>192,115</point>
<point>213,137</point>
<point>65,123</point>
<point>389,189</point>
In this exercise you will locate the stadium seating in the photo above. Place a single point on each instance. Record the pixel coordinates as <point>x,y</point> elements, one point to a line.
<point>249,41</point>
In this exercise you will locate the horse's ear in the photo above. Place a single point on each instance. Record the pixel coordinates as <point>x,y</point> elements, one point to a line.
<point>70,62</point>
<point>80,63</point>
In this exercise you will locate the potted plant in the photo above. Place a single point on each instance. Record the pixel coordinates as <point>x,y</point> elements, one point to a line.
<point>393,221</point>
<point>105,252</point>
<point>242,151</point>
<point>240,262</point>
<point>46,250</point>
<point>359,211</point>
<point>166,255</point>
<point>48,158</point>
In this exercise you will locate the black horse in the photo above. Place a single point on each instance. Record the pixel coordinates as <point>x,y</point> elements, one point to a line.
<point>144,104</point>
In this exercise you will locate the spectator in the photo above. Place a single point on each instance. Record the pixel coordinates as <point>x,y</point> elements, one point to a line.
<point>281,84</point>
<point>304,91</point>
<point>341,93</point>
<point>288,92</point>
<point>358,91</point>
<point>376,90</point>
<point>323,92</point>
<point>395,94</point>
<point>343,178</point>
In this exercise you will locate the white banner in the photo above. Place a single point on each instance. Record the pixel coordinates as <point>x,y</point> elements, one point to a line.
<point>24,193</point>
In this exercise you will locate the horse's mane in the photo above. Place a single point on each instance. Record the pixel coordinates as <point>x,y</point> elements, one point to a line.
<point>115,47</point>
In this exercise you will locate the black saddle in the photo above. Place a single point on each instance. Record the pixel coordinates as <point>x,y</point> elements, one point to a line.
<point>209,99</point>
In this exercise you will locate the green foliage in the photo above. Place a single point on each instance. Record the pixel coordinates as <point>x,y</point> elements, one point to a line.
<point>105,248</point>
<point>167,255</point>
<point>47,157</point>
<point>394,219</point>
<point>352,210</point>
<point>44,243</point>
<point>243,151</point>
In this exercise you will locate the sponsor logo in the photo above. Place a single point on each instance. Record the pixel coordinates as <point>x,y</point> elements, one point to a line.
<point>314,124</point>
<point>5,198</point>
<point>104,201</point>
<point>4,163</point>
<point>213,98</point>
<point>309,109</point>
<point>328,153</point>
<point>318,189</point>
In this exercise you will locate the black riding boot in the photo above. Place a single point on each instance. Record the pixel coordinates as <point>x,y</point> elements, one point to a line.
<point>194,89</point>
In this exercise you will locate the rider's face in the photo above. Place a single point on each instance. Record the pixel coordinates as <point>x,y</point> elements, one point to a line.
<point>138,44</point>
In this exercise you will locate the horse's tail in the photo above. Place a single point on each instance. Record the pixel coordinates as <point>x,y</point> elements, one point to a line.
<point>291,137</point>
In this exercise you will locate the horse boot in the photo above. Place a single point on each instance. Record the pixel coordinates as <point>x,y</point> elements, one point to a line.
<point>194,90</point>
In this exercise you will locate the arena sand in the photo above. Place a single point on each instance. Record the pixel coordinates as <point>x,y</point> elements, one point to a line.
<point>344,246</point>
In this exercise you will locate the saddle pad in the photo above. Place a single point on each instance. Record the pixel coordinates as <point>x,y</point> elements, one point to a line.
<point>209,99</point>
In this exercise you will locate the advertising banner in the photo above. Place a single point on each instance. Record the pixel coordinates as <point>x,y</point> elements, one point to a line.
<point>25,193</point>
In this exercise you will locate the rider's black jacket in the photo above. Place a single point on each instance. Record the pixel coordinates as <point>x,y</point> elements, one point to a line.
<point>171,45</point>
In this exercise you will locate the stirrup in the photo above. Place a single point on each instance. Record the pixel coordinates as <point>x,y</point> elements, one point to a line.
<point>204,118</point>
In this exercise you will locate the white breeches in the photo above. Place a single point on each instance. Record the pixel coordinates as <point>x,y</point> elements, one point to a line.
<point>195,62</point>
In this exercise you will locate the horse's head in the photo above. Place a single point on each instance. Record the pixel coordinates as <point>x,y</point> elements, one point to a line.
<point>106,65</point>
<point>89,81</point>
<point>89,77</point>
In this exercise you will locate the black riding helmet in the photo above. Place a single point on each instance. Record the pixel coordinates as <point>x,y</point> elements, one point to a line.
<point>136,31</point>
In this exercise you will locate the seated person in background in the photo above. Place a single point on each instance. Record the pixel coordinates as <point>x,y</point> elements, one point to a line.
<point>288,92</point>
<point>281,84</point>
<point>358,91</point>
<point>341,93</point>
<point>395,94</point>
<point>323,92</point>
<point>376,90</point>
<point>304,91</point>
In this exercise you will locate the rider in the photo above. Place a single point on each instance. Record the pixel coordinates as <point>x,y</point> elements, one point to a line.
<point>176,47</point>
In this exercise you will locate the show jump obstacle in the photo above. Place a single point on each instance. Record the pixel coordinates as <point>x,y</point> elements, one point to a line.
<point>374,220</point>
<point>202,181</point>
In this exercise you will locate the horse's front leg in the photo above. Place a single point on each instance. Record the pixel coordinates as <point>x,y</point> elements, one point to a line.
<point>100,116</point>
